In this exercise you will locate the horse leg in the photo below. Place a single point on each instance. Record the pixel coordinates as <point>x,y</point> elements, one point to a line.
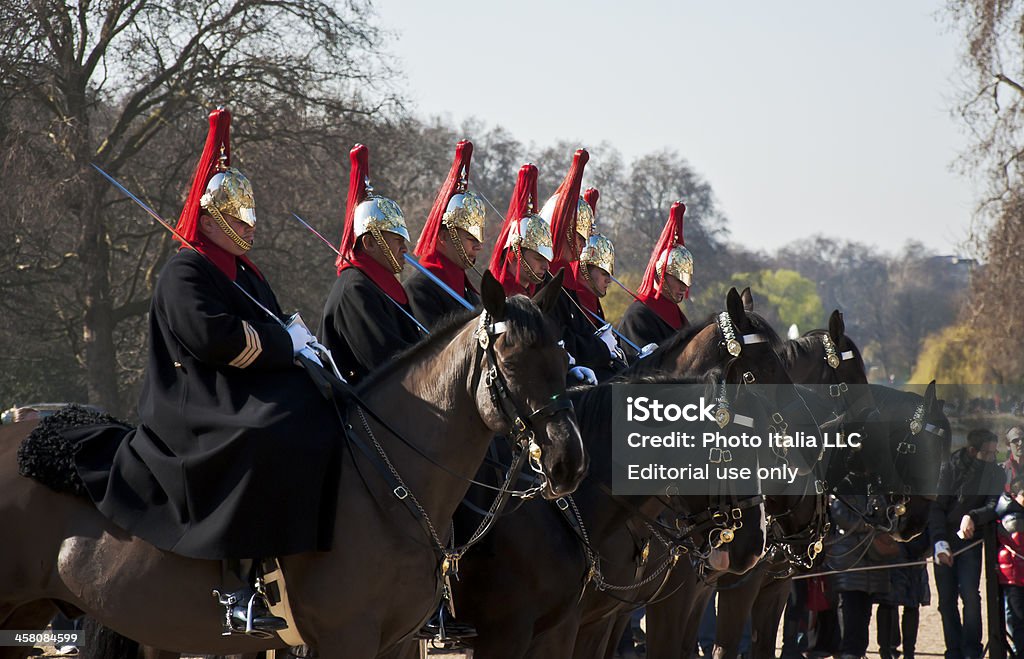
<point>768,608</point>
<point>31,616</point>
<point>592,638</point>
<point>620,624</point>
<point>670,632</point>
<point>556,642</point>
<point>734,605</point>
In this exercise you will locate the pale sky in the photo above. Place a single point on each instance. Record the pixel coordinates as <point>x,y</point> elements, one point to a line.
<point>804,116</point>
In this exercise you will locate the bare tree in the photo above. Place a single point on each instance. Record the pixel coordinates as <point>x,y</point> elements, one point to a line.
<point>126,84</point>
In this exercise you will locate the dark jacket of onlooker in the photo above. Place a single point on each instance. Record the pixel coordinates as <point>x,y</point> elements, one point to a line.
<point>852,548</point>
<point>967,486</point>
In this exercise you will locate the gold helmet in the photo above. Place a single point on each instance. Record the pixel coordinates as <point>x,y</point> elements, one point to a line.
<point>584,215</point>
<point>678,262</point>
<point>229,192</point>
<point>377,214</point>
<point>599,251</point>
<point>532,232</point>
<point>466,211</point>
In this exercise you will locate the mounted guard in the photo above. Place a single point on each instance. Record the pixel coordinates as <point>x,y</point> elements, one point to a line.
<point>591,343</point>
<point>596,264</point>
<point>225,412</point>
<point>522,254</point>
<point>655,314</point>
<point>367,319</point>
<point>449,244</point>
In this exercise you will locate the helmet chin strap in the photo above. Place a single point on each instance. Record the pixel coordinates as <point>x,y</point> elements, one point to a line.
<point>453,234</point>
<point>228,231</point>
<point>585,271</point>
<point>388,254</point>
<point>534,277</point>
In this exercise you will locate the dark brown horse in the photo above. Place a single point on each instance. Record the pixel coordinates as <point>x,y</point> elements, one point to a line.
<point>381,579</point>
<point>831,359</point>
<point>520,588</point>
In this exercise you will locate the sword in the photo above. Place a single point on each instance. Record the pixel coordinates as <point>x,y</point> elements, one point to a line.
<point>434,278</point>
<point>156,216</point>
<point>338,252</point>
<point>165,224</point>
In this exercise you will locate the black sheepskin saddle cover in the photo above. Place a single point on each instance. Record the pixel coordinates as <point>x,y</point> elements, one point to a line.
<point>48,455</point>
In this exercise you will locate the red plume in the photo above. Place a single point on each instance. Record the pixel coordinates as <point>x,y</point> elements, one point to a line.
<point>359,157</point>
<point>504,266</point>
<point>427,243</point>
<point>591,196</point>
<point>563,218</point>
<point>671,236</point>
<point>218,136</point>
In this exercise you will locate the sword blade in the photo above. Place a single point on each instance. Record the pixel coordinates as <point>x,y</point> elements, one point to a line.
<point>156,216</point>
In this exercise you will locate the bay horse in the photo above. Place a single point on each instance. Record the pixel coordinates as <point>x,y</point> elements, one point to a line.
<point>446,398</point>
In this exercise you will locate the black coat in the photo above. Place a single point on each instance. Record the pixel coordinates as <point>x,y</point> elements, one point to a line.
<point>966,487</point>
<point>642,326</point>
<point>234,457</point>
<point>430,303</point>
<point>362,326</point>
<point>849,546</point>
<point>578,329</point>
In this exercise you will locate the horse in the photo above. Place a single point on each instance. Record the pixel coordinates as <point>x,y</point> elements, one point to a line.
<point>830,358</point>
<point>497,371</point>
<point>526,575</point>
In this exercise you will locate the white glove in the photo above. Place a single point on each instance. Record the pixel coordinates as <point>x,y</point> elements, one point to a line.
<point>310,354</point>
<point>942,547</point>
<point>608,336</point>
<point>302,339</point>
<point>648,349</point>
<point>583,374</point>
<point>572,360</point>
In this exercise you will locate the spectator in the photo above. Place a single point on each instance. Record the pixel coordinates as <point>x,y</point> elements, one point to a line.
<point>1010,510</point>
<point>969,486</point>
<point>853,548</point>
<point>1014,439</point>
<point>909,590</point>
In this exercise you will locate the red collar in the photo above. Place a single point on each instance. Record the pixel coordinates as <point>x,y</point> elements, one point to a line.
<point>225,261</point>
<point>588,299</point>
<point>378,274</point>
<point>448,271</point>
<point>666,309</point>
<point>509,276</point>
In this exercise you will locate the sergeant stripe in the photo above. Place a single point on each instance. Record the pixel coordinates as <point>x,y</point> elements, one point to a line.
<point>253,347</point>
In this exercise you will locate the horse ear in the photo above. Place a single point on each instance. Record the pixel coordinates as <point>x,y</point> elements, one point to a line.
<point>836,326</point>
<point>734,305</point>
<point>547,296</point>
<point>748,299</point>
<point>929,396</point>
<point>493,296</point>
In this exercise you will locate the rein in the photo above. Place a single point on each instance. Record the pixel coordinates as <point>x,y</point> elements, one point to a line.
<point>522,433</point>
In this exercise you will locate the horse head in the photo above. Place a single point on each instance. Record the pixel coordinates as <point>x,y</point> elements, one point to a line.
<point>521,393</point>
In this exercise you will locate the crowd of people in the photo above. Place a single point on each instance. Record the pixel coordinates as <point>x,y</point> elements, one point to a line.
<point>830,615</point>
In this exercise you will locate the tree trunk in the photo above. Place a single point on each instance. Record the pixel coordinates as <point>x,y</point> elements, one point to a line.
<point>98,320</point>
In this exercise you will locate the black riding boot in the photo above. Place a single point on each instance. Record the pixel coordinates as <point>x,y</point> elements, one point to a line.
<point>246,610</point>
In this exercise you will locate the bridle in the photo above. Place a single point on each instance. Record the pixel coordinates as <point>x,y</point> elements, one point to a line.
<point>522,433</point>
<point>521,424</point>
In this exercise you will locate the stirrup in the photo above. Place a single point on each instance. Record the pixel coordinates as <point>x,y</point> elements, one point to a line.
<point>232,621</point>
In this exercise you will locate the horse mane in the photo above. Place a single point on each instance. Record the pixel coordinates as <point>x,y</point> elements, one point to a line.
<point>762,326</point>
<point>526,325</point>
<point>594,403</point>
<point>810,342</point>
